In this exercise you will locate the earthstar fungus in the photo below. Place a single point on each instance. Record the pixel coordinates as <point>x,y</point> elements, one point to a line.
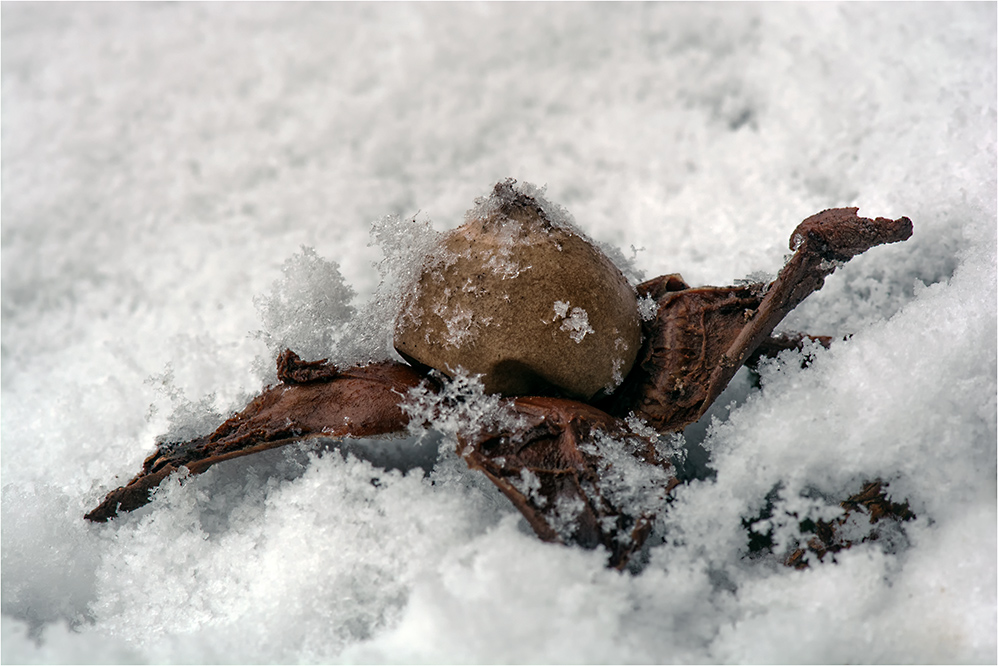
<point>520,296</point>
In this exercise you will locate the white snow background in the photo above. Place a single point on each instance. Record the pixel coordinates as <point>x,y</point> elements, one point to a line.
<point>163,166</point>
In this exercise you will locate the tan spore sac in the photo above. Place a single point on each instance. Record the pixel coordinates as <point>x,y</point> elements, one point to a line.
<point>524,300</point>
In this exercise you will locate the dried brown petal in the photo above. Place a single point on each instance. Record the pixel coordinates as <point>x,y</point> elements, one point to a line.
<point>692,334</point>
<point>549,469</point>
<point>314,400</point>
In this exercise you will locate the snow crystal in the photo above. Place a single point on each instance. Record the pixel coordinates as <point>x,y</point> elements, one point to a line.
<point>647,308</point>
<point>566,511</point>
<point>561,308</point>
<point>461,324</point>
<point>462,406</point>
<point>576,323</point>
<point>617,365</point>
<point>633,486</point>
<point>616,376</point>
<point>529,484</point>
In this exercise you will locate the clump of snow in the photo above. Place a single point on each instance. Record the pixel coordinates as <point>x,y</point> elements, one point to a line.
<point>188,419</point>
<point>406,244</point>
<point>647,308</point>
<point>308,308</point>
<point>558,216</point>
<point>574,322</point>
<point>508,190</point>
<point>461,324</point>
<point>633,486</point>
<point>462,406</point>
<point>154,185</point>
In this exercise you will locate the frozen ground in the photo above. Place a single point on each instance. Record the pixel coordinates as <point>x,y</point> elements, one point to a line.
<point>162,162</point>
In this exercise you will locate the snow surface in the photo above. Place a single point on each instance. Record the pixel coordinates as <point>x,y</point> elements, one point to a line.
<point>188,187</point>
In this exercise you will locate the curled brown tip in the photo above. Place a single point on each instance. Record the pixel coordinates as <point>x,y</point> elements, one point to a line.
<point>840,234</point>
<point>292,370</point>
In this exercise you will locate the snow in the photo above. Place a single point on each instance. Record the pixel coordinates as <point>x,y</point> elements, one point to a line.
<point>574,322</point>
<point>647,308</point>
<point>188,187</point>
<point>460,407</point>
<point>306,307</point>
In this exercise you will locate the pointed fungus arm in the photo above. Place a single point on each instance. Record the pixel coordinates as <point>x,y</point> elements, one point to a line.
<point>701,337</point>
<point>314,399</point>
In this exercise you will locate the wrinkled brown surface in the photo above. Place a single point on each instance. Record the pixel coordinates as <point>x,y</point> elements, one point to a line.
<point>872,500</point>
<point>313,400</point>
<point>549,446</point>
<point>700,337</point>
<point>671,385</point>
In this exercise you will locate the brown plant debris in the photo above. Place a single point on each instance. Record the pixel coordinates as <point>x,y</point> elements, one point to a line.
<point>828,537</point>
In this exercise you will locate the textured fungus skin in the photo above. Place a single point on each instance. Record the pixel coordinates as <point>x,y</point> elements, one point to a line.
<point>691,350</point>
<point>554,445</point>
<point>312,400</point>
<point>700,337</point>
<point>487,304</point>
